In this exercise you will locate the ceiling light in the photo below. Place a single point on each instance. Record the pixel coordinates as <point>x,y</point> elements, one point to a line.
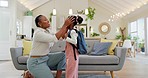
<point>70,12</point>
<point>128,12</point>
<point>54,11</point>
<point>144,3</point>
<point>108,19</point>
<point>4,3</point>
<point>86,11</point>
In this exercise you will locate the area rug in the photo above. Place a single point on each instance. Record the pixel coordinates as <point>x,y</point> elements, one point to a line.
<point>93,76</point>
<point>89,76</point>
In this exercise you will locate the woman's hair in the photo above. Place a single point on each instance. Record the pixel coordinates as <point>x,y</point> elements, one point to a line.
<point>37,19</point>
<point>78,20</point>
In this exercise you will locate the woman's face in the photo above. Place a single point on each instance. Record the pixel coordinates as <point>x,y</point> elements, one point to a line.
<point>44,23</point>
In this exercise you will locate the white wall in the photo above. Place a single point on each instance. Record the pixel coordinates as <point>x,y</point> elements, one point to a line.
<point>62,8</point>
<point>20,11</point>
<point>102,15</point>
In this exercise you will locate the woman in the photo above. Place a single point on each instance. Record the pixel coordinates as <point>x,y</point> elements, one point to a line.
<point>41,61</point>
<point>71,61</point>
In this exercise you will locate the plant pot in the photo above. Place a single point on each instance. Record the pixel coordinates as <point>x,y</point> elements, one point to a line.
<point>142,49</point>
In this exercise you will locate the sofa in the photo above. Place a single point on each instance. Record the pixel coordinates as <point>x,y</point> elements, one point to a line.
<point>86,62</point>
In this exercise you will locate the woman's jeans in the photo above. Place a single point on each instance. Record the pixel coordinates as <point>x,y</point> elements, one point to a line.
<point>41,67</point>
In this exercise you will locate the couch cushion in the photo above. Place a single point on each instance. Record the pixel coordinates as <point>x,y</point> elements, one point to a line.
<point>58,46</point>
<point>23,59</point>
<point>112,47</point>
<point>89,59</point>
<point>86,59</point>
<point>100,48</point>
<point>27,45</point>
<point>90,44</point>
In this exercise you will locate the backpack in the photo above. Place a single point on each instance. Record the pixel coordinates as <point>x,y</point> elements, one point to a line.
<point>81,44</point>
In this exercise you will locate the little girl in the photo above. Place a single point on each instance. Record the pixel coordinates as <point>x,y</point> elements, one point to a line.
<point>71,62</point>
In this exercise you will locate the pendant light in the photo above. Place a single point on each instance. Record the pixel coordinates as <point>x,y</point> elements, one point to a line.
<point>86,11</point>
<point>54,10</point>
<point>70,10</point>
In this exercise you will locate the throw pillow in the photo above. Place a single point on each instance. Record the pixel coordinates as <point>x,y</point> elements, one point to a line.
<point>112,47</point>
<point>100,48</point>
<point>27,45</point>
<point>90,44</point>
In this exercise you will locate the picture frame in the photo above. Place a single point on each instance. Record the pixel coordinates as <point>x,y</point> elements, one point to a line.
<point>83,28</point>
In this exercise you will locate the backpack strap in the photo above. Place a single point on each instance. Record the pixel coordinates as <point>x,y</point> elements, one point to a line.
<point>74,51</point>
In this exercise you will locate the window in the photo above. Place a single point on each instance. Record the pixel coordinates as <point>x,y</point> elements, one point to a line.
<point>136,31</point>
<point>133,29</point>
<point>3,3</point>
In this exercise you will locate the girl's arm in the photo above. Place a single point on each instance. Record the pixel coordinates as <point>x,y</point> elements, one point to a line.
<point>73,38</point>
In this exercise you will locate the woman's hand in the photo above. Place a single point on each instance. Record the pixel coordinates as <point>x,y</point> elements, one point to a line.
<point>69,21</point>
<point>66,35</point>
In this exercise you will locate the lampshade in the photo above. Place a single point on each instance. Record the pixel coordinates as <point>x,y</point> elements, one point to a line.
<point>127,44</point>
<point>54,11</point>
<point>86,11</point>
<point>70,12</point>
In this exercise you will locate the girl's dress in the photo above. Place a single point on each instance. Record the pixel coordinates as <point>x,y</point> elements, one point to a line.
<point>71,63</point>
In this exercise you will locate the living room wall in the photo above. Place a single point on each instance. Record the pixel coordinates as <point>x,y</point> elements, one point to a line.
<point>20,11</point>
<point>102,15</point>
<point>62,7</point>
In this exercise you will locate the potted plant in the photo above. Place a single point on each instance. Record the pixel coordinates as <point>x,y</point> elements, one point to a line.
<point>50,17</point>
<point>82,29</point>
<point>118,37</point>
<point>141,45</point>
<point>91,13</point>
<point>94,34</point>
<point>128,37</point>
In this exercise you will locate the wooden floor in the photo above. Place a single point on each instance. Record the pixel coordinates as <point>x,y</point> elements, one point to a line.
<point>134,67</point>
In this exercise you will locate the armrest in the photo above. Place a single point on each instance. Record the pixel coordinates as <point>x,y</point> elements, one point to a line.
<point>121,53</point>
<point>15,53</point>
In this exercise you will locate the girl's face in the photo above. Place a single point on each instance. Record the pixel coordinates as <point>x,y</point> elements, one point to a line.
<point>44,23</point>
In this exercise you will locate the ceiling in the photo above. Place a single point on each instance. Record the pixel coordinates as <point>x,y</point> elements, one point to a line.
<point>32,4</point>
<point>118,7</point>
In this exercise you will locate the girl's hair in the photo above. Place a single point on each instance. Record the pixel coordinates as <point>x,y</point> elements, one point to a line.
<point>37,19</point>
<point>78,20</point>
